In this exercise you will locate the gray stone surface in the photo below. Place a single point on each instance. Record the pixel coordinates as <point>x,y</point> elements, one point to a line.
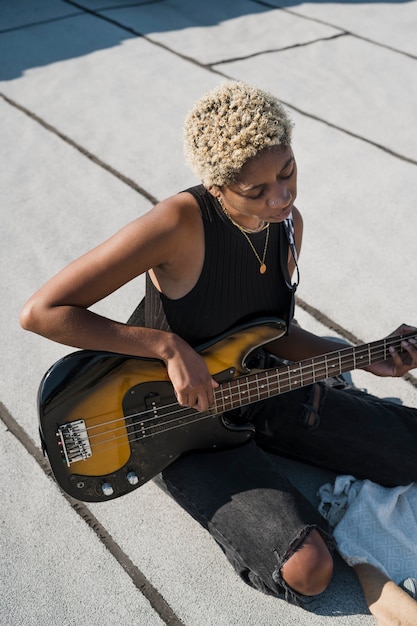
<point>391,24</point>
<point>210,33</point>
<point>54,568</point>
<point>331,80</point>
<point>91,115</point>
<point>21,13</point>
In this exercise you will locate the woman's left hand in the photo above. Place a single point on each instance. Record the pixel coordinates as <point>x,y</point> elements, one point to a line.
<point>399,363</point>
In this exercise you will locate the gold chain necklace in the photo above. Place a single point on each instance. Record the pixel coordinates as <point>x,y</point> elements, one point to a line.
<point>245,231</point>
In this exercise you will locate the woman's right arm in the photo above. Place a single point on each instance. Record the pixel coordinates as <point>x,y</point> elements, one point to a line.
<point>59,310</point>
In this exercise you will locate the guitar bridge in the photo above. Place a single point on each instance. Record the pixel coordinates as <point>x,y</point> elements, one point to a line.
<point>73,441</point>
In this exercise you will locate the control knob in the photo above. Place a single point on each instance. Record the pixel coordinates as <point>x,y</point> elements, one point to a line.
<point>132,478</point>
<point>107,489</point>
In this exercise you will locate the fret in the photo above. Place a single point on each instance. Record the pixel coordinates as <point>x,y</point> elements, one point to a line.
<point>266,391</point>
<point>238,392</point>
<point>362,356</point>
<point>278,382</point>
<point>261,388</point>
<point>257,389</point>
<point>294,383</point>
<point>290,378</point>
<point>255,393</point>
<point>285,376</point>
<point>310,375</point>
<point>227,400</point>
<point>265,385</point>
<point>218,404</point>
<point>219,398</point>
<point>245,392</point>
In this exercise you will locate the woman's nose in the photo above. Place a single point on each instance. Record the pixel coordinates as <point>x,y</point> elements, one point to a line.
<point>281,197</point>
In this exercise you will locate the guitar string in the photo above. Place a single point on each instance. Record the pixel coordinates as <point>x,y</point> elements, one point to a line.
<point>230,397</point>
<point>141,434</point>
<point>248,382</point>
<point>261,377</point>
<point>168,426</point>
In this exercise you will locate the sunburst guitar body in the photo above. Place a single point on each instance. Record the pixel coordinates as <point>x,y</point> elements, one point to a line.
<point>111,422</point>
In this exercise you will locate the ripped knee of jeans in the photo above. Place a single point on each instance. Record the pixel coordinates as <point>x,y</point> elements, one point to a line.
<point>290,595</point>
<point>310,417</point>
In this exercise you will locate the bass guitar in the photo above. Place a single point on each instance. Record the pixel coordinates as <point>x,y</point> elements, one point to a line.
<point>111,422</point>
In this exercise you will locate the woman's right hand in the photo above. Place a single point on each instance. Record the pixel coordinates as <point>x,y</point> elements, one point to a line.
<point>188,372</point>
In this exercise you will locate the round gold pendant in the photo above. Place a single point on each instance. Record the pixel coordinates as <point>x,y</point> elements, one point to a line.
<point>262,269</point>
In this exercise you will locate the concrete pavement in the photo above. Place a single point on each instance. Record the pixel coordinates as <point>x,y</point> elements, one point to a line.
<point>93,97</point>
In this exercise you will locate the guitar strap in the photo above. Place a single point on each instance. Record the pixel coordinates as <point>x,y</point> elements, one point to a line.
<point>292,286</point>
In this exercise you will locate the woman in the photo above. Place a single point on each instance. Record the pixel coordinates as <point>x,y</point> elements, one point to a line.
<point>216,256</point>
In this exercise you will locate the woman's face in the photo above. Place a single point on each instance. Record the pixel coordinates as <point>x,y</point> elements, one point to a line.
<point>265,190</point>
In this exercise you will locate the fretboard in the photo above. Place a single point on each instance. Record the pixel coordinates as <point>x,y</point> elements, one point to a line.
<point>272,382</point>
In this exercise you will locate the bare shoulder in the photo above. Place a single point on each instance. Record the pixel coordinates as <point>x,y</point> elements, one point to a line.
<point>174,207</point>
<point>181,245</point>
<point>169,226</point>
<point>176,213</point>
<point>155,235</point>
<point>157,239</point>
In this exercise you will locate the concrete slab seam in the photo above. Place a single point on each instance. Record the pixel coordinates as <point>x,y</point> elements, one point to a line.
<point>135,32</point>
<point>40,23</point>
<point>325,23</point>
<point>315,313</point>
<point>213,69</point>
<point>158,603</point>
<point>125,179</point>
<point>272,50</point>
<point>350,133</point>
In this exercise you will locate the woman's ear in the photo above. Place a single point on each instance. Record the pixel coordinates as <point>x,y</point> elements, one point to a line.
<point>214,190</point>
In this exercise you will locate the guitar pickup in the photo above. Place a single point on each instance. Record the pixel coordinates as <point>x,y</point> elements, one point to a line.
<point>152,400</point>
<point>73,441</point>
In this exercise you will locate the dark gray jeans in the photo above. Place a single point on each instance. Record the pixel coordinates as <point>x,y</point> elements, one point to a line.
<point>252,510</point>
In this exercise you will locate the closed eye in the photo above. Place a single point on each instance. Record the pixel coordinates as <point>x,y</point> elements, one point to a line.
<point>287,176</point>
<point>259,195</point>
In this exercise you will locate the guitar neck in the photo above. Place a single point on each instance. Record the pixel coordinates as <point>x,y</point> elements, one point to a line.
<point>251,388</point>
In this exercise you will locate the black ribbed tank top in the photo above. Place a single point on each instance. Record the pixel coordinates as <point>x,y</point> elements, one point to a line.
<point>230,290</point>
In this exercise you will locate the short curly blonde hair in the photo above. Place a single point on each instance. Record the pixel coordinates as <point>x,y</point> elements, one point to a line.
<point>230,125</point>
